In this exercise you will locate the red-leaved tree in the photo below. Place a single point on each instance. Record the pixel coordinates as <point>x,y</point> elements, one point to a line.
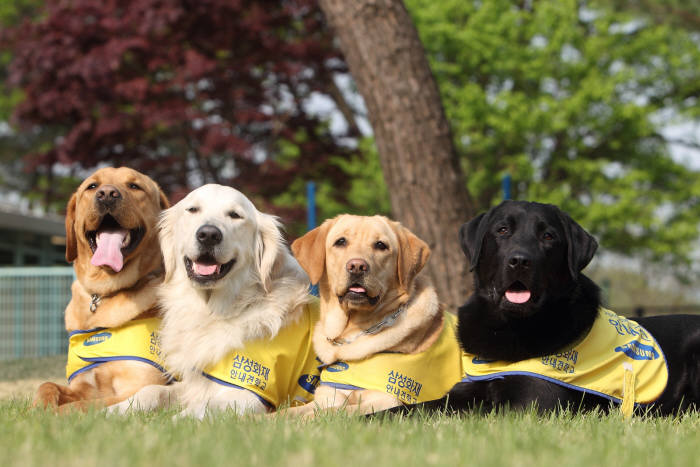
<point>187,91</point>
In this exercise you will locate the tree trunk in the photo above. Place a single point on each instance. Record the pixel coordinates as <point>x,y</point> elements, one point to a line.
<point>420,164</point>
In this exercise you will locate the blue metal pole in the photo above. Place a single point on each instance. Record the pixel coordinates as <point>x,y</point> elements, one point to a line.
<point>505,184</point>
<point>310,205</point>
<point>311,220</point>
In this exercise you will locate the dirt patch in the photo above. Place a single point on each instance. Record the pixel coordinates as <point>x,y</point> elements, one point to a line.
<point>23,388</point>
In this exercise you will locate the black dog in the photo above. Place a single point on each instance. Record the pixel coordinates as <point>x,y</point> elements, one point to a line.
<point>532,301</point>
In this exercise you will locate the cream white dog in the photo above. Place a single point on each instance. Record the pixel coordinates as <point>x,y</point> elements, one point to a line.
<point>237,315</point>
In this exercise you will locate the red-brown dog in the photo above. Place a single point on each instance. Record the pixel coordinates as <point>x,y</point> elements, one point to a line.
<point>112,240</point>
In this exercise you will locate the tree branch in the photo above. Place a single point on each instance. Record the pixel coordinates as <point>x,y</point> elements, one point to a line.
<point>343,106</point>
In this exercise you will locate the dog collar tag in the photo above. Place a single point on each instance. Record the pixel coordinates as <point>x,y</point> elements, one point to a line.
<point>94,302</point>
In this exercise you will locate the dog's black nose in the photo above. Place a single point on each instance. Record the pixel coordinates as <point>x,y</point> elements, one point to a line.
<point>108,196</point>
<point>357,266</point>
<point>208,235</point>
<point>519,261</point>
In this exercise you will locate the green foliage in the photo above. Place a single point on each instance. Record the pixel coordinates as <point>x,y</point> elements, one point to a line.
<point>11,13</point>
<point>14,11</point>
<point>9,98</point>
<point>572,101</point>
<point>365,193</point>
<point>14,144</point>
<point>368,194</point>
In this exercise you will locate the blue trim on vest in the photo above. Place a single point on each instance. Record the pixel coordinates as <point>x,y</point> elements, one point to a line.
<point>84,331</point>
<point>502,374</point>
<point>472,379</point>
<point>86,368</point>
<point>125,357</point>
<point>100,360</point>
<point>340,385</point>
<point>235,386</point>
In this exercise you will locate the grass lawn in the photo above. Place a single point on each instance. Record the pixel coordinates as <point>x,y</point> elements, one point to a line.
<point>21,378</point>
<point>33,368</point>
<point>37,437</point>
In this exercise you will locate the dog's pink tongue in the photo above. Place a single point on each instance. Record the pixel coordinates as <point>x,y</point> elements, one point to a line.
<point>109,249</point>
<point>521,296</point>
<point>204,269</point>
<point>357,289</point>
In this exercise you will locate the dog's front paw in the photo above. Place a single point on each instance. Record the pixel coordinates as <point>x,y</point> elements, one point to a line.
<point>198,413</point>
<point>121,408</point>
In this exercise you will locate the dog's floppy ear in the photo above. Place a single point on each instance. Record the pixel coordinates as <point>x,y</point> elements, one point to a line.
<point>71,240</point>
<point>412,255</point>
<point>581,246</point>
<point>471,237</point>
<point>167,241</point>
<point>310,251</point>
<point>268,244</point>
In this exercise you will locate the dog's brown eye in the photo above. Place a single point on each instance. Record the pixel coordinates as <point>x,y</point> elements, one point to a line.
<point>134,186</point>
<point>234,215</point>
<point>502,230</point>
<point>547,236</point>
<point>192,209</point>
<point>340,242</point>
<point>380,246</point>
<point>91,186</point>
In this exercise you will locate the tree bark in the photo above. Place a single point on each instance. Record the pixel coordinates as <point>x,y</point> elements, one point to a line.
<point>421,167</point>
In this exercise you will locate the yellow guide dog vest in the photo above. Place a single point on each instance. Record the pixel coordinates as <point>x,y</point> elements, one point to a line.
<point>278,370</point>
<point>410,378</point>
<point>618,360</point>
<point>136,340</point>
